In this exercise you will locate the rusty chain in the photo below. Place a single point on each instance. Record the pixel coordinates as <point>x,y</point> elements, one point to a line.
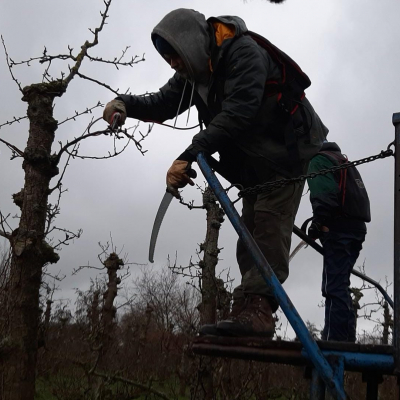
<point>268,187</point>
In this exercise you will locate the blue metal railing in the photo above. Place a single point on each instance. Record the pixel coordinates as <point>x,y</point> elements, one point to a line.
<point>333,382</point>
<point>324,372</point>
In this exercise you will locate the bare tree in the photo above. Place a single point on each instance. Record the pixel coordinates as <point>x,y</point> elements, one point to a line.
<point>106,334</point>
<point>210,289</point>
<point>376,311</point>
<point>31,247</point>
<point>214,295</point>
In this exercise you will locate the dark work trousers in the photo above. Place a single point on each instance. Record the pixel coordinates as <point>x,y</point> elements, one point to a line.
<point>341,250</point>
<point>270,218</point>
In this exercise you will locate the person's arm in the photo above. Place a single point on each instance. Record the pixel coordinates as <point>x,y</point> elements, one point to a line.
<point>159,106</point>
<point>247,71</point>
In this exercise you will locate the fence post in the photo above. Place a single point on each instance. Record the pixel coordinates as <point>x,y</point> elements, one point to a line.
<point>396,273</point>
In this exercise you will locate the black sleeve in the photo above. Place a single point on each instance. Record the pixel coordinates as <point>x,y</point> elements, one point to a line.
<point>159,106</point>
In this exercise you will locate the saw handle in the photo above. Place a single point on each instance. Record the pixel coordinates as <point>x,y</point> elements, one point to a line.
<point>115,118</point>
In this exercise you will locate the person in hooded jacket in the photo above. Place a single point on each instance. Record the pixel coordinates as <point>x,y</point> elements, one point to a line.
<point>223,72</point>
<point>340,210</point>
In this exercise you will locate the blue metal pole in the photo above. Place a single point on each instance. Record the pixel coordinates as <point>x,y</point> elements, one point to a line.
<point>384,363</point>
<point>273,283</point>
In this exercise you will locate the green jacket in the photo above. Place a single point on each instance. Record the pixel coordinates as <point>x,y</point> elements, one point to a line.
<point>339,200</point>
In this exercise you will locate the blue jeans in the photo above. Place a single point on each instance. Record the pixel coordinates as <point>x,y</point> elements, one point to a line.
<point>341,250</point>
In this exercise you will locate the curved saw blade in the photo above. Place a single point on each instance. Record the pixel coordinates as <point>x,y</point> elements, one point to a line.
<point>165,202</point>
<point>297,249</point>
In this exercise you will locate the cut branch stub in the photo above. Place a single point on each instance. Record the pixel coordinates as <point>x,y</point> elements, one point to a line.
<point>49,89</point>
<point>18,198</point>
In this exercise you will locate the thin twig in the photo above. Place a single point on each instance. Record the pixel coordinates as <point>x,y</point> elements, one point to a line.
<point>13,121</point>
<point>5,235</point>
<point>59,183</point>
<point>9,64</point>
<point>3,220</point>
<point>98,82</point>
<point>117,61</point>
<point>16,151</point>
<point>79,58</point>
<point>78,114</point>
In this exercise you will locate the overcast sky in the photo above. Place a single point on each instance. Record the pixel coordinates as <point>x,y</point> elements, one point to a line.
<point>350,50</point>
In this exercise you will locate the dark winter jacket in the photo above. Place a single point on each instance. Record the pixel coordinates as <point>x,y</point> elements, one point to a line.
<point>228,71</point>
<point>339,200</point>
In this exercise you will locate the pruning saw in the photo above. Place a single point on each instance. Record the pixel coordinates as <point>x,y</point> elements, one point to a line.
<point>162,209</point>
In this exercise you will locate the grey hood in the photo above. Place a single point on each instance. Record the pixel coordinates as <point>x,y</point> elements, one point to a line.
<point>187,31</point>
<point>237,22</point>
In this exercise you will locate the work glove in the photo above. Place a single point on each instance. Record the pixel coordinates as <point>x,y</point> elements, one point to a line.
<point>178,176</point>
<point>316,229</point>
<point>115,106</point>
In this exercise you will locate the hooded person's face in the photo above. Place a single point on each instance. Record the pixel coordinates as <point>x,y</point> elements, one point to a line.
<point>177,64</point>
<point>186,31</point>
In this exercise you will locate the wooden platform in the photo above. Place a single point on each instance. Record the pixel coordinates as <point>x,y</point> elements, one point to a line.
<point>274,351</point>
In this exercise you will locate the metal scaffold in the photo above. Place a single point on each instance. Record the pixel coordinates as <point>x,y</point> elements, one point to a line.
<point>325,362</point>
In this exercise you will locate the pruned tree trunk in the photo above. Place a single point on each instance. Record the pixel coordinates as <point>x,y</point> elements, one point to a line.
<point>144,328</point>
<point>113,263</point>
<point>44,329</point>
<point>93,312</point>
<point>209,286</point>
<point>387,323</point>
<point>30,252</point>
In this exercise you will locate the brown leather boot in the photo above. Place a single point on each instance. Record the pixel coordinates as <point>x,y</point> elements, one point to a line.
<point>255,319</point>
<point>237,306</point>
<point>211,329</point>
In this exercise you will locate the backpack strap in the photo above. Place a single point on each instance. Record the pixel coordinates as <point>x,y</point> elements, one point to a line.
<point>339,159</point>
<point>290,69</point>
<point>290,92</point>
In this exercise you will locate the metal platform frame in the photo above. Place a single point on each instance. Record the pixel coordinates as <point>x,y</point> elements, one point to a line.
<point>327,365</point>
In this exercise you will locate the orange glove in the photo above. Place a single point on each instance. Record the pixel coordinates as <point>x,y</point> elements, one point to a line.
<point>177,177</point>
<point>114,106</point>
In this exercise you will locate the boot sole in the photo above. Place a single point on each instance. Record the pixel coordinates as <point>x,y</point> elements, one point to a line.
<point>232,330</point>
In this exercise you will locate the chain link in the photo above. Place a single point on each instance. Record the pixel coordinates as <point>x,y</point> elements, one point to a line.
<point>268,187</point>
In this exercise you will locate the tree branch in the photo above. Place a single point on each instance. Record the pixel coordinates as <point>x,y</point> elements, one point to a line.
<point>16,151</point>
<point>78,114</point>
<point>9,64</point>
<point>14,120</point>
<point>59,183</point>
<point>117,61</point>
<point>74,152</point>
<point>3,232</point>
<point>98,82</point>
<point>77,140</point>
<point>5,235</point>
<point>84,48</point>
